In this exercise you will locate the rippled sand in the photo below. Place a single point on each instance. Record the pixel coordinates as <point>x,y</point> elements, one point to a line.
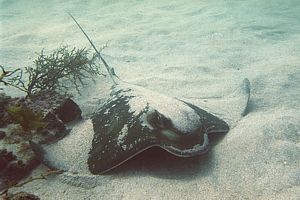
<point>182,49</point>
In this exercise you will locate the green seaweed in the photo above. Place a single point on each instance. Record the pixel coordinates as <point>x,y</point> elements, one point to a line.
<point>28,119</point>
<point>63,70</point>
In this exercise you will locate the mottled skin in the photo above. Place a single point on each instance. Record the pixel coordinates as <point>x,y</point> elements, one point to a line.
<point>106,151</point>
<point>111,148</point>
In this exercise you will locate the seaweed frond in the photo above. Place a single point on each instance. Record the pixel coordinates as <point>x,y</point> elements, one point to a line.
<point>13,78</point>
<point>28,119</point>
<point>62,70</point>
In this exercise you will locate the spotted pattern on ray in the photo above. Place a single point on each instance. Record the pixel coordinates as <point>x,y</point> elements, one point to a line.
<point>122,132</point>
<point>109,149</point>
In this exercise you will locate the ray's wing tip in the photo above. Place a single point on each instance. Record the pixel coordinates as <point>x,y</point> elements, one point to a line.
<point>246,86</point>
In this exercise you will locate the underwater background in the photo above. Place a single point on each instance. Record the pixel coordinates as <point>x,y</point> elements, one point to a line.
<point>184,49</point>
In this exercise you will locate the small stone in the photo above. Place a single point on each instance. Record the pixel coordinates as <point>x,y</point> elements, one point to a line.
<point>54,123</point>
<point>69,111</point>
<point>15,163</point>
<point>2,135</point>
<point>24,196</point>
<point>284,162</point>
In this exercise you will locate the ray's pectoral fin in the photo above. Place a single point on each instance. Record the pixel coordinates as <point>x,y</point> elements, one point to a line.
<point>231,107</point>
<point>117,136</point>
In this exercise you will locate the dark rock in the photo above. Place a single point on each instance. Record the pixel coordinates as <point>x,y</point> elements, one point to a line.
<point>7,156</point>
<point>50,111</point>
<point>51,136</point>
<point>58,110</point>
<point>54,131</point>
<point>5,119</point>
<point>16,164</point>
<point>62,106</point>
<point>3,164</point>
<point>23,196</point>
<point>54,123</point>
<point>69,111</point>
<point>2,135</point>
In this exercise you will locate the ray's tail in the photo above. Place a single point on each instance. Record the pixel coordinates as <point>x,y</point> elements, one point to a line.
<point>109,70</point>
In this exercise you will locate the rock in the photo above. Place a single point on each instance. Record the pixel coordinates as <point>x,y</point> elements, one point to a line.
<point>23,196</point>
<point>69,111</point>
<point>40,118</point>
<point>61,106</point>
<point>2,135</point>
<point>5,119</point>
<point>15,163</point>
<point>56,110</point>
<point>54,123</point>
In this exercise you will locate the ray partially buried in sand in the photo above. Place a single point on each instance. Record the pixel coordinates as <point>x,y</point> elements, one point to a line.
<point>134,119</point>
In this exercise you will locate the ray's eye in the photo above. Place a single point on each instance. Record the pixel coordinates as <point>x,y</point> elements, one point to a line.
<point>159,121</point>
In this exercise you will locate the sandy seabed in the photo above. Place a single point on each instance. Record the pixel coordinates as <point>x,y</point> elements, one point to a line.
<point>182,49</point>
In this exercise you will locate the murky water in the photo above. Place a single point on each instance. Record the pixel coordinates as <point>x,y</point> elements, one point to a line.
<point>183,49</point>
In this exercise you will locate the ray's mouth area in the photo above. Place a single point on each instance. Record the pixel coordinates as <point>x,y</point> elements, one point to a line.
<point>189,149</point>
<point>190,144</point>
<point>168,137</point>
<point>214,128</point>
<point>213,131</point>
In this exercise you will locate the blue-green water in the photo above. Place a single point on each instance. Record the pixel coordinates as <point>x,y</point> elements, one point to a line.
<point>151,38</point>
<point>184,49</point>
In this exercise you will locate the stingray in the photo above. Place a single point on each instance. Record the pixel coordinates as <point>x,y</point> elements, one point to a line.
<point>134,119</point>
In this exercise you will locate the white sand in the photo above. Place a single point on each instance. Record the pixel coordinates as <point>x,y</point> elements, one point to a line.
<point>185,49</point>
